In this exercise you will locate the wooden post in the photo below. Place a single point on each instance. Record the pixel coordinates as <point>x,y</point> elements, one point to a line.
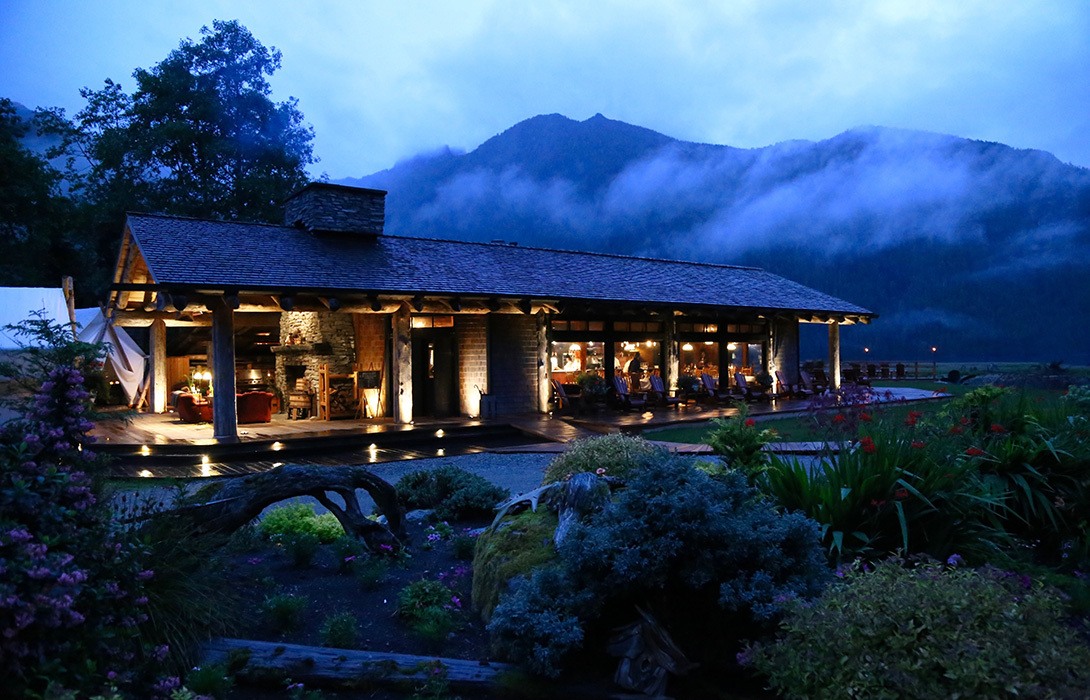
<point>224,405</point>
<point>834,354</point>
<point>403,365</point>
<point>159,388</point>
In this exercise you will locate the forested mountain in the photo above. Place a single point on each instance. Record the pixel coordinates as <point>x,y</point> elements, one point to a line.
<point>974,247</point>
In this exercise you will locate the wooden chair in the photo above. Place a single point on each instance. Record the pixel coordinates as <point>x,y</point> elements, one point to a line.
<point>714,393</point>
<point>625,398</point>
<point>572,402</point>
<point>750,392</point>
<point>810,383</point>
<point>791,390</point>
<point>658,392</point>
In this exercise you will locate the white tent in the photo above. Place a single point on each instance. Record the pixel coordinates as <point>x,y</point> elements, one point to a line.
<point>17,304</point>
<point>123,357</point>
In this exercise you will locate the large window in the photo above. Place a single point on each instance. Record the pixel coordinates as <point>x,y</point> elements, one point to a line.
<point>636,360</point>
<point>568,359</point>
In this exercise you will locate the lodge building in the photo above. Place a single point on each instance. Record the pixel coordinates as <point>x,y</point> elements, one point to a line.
<point>360,323</point>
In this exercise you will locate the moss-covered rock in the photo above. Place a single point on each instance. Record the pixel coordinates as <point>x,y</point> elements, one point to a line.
<point>516,547</point>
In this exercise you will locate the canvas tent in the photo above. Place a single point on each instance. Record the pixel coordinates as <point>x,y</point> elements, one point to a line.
<point>124,358</point>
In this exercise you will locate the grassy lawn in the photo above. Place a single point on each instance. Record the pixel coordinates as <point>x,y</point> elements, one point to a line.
<point>801,427</point>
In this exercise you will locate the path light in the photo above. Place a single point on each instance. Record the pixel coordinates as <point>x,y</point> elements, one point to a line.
<point>145,450</point>
<point>277,446</point>
<point>277,464</point>
<point>144,473</point>
<point>440,452</point>
<point>866,349</point>
<point>439,433</point>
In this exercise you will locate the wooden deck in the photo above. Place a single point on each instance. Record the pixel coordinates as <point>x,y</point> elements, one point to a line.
<point>162,445</point>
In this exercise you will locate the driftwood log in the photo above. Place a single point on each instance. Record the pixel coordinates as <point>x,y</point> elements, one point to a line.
<point>258,662</point>
<point>232,503</point>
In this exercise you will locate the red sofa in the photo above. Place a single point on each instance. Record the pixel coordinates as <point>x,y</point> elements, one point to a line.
<point>254,406</point>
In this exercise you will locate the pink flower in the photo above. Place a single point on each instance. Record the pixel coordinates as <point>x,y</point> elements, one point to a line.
<point>600,471</point>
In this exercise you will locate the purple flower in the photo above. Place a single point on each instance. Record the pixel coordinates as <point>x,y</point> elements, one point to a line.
<point>144,575</point>
<point>954,560</point>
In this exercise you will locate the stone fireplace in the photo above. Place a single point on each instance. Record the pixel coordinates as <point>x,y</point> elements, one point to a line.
<point>309,339</point>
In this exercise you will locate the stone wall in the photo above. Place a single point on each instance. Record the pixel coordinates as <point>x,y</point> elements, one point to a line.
<point>785,349</point>
<point>472,334</point>
<point>513,355</point>
<point>336,208</point>
<point>320,337</point>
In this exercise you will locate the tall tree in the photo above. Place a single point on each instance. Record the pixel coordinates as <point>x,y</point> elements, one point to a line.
<point>200,136</point>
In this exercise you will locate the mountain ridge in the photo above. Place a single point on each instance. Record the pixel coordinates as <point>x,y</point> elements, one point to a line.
<point>964,244</point>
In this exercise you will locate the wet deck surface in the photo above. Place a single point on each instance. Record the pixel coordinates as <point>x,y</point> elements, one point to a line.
<point>161,445</point>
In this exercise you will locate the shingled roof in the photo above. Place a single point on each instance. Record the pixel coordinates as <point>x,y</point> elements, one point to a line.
<point>202,254</point>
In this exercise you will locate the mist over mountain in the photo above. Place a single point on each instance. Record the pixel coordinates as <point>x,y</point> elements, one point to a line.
<point>974,247</point>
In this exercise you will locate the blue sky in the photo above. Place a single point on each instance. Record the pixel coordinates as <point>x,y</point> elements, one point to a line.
<point>381,81</point>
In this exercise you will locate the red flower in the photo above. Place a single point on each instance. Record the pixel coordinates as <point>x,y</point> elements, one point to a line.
<point>997,428</point>
<point>974,451</point>
<point>865,417</point>
<point>964,420</point>
<point>868,445</point>
<point>750,422</point>
<point>839,418</point>
<point>910,421</point>
<point>900,494</point>
<point>956,430</point>
<point>918,444</point>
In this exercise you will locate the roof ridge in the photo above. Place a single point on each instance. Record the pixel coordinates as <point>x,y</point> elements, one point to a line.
<point>486,244</point>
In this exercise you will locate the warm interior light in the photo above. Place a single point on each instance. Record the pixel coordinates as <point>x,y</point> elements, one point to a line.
<point>732,346</point>
<point>687,347</point>
<point>709,342</point>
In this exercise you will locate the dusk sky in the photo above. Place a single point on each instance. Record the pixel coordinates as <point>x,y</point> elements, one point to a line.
<point>381,81</point>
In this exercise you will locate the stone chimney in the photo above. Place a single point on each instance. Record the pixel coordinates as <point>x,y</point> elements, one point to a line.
<point>325,208</point>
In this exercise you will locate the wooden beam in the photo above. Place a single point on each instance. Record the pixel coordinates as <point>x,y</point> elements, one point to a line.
<point>159,389</point>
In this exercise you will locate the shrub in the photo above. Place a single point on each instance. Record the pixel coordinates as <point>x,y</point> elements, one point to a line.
<point>213,681</point>
<point>1077,400</point>
<point>340,631</point>
<point>429,608</point>
<point>301,518</point>
<point>285,611</point>
<point>927,632</point>
<point>300,546</point>
<point>619,455</point>
<point>740,442</point>
<point>463,546</point>
<point>371,572</point>
<point>349,551</point>
<point>452,492</point>
<point>707,555</point>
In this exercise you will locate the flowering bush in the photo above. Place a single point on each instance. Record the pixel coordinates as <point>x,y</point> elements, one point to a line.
<point>72,592</point>
<point>927,632</point>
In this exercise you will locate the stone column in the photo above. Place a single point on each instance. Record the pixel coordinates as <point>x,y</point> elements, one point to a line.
<point>544,388</point>
<point>834,354</point>
<point>785,349</point>
<point>671,355</point>
<point>224,406</point>
<point>402,365</point>
<point>159,388</point>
